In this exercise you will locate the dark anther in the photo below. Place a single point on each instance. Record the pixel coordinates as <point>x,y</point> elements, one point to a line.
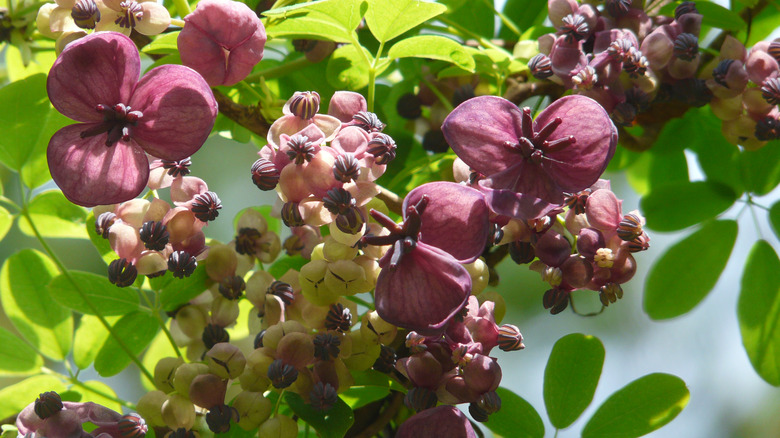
<point>770,91</point>
<point>346,168</point>
<point>281,374</point>
<point>521,252</point>
<point>323,396</point>
<point>264,174</point>
<point>637,98</point>
<point>131,12</point>
<point>509,338</point>
<point>419,399</point>
<point>326,346</point>
<point>462,94</point>
<point>382,147</point>
<point>291,215</point>
<point>477,413</point>
<point>490,402</point>
<point>181,264</point>
<point>634,63</point>
<point>305,105</point>
<point>104,222</point>
<point>219,417</point>
<point>720,72</point>
<point>623,114</point>
<point>415,343</point>
<point>768,129</point>
<point>541,66</point>
<point>47,404</point>
<point>774,50</point>
<point>181,433</point>
<point>409,106</point>
<point>214,334</point>
<point>338,201</point>
<point>338,318</point>
<point>117,121</point>
<point>122,273</point>
<point>434,141</point>
<point>177,168</point>
<point>301,149</point>
<point>154,235</point>
<point>618,49</point>
<point>282,290</point>
<point>574,27</point>
<point>609,293</point>
<point>630,227</point>
<point>259,339</point>
<point>206,206</point>
<point>577,201</point>
<point>617,8</point>
<point>368,121</point>
<point>685,8</point>
<point>245,240</point>
<point>686,46</point>
<point>233,287</point>
<point>85,14</point>
<point>639,243</point>
<point>132,426</point>
<point>556,300</point>
<point>385,363</point>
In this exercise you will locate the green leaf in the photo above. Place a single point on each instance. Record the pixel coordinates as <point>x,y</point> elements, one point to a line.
<point>524,14</point>
<point>369,386</point>
<point>334,20</point>
<point>477,17</point>
<point>642,406</point>
<point>93,394</point>
<point>651,170</point>
<point>716,15</point>
<point>158,349</point>
<point>104,296</point>
<point>517,418</point>
<point>136,330</point>
<point>284,264</point>
<point>386,19</point>
<point>40,64</point>
<point>571,377</point>
<point>17,396</point>
<point>774,218</point>
<point>16,357</point>
<point>6,219</point>
<point>347,69</point>
<point>90,336</point>
<point>40,320</point>
<point>758,311</point>
<point>163,45</point>
<point>55,216</point>
<point>331,424</point>
<point>35,172</point>
<point>684,275</point>
<point>179,291</point>
<point>23,104</point>
<point>433,47</point>
<point>676,206</point>
<point>761,168</point>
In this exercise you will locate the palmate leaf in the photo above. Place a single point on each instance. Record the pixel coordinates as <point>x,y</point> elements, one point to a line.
<point>334,20</point>
<point>387,19</point>
<point>517,418</point>
<point>758,310</point>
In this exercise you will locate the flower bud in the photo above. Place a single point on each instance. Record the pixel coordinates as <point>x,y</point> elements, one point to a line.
<point>224,312</point>
<point>346,277</point>
<point>304,104</point>
<point>219,417</point>
<point>132,426</point>
<point>226,360</point>
<point>181,264</point>
<point>311,277</point>
<point>281,426</point>
<point>510,338</point>
<point>122,273</point>
<point>281,374</point>
<point>185,373</point>
<point>149,406</point>
<point>482,374</point>
<point>214,334</point>
<point>164,372</point>
<point>363,354</point>
<point>382,147</point>
<point>178,412</point>
<point>47,404</point>
<point>296,349</point>
<point>253,409</point>
<point>576,271</point>
<point>374,326</point>
<point>419,399</point>
<point>208,390</point>
<point>552,248</point>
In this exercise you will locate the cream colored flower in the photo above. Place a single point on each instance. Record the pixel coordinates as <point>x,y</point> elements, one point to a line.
<point>146,17</point>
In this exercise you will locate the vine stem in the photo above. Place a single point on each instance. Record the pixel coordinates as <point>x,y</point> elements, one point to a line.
<point>442,98</point>
<point>76,382</point>
<point>156,312</point>
<point>83,296</point>
<point>177,22</point>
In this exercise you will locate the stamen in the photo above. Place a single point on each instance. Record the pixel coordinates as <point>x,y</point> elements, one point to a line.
<point>527,123</point>
<point>559,144</point>
<point>131,12</point>
<point>548,129</point>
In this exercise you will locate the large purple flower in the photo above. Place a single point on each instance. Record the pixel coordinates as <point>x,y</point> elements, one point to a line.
<point>527,164</point>
<point>423,283</point>
<point>168,113</point>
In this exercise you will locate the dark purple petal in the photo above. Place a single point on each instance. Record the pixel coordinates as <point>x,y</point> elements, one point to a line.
<point>579,165</point>
<point>478,128</point>
<point>528,179</point>
<point>424,291</point>
<point>517,205</point>
<point>101,68</point>
<point>442,421</point>
<point>91,173</point>
<point>178,112</point>
<point>456,219</point>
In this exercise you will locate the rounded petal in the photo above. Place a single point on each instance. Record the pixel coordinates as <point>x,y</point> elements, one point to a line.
<point>345,104</point>
<point>477,130</point>
<point>178,112</point>
<point>89,173</point>
<point>453,210</point>
<point>445,421</point>
<point>424,290</point>
<point>155,19</point>
<point>101,68</point>
<point>517,205</point>
<point>579,165</point>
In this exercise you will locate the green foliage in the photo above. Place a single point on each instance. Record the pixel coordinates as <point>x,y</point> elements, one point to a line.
<point>642,406</point>
<point>571,377</point>
<point>178,291</point>
<point>91,293</point>
<point>774,217</point>
<point>16,357</point>
<point>90,336</point>
<point>330,424</point>
<point>15,397</point>
<point>716,15</point>
<point>369,386</point>
<point>517,418</point>
<point>347,68</point>
<point>334,20</point>
<point>758,310</point>
<point>650,171</point>
<point>433,47</point>
<point>136,330</point>
<point>55,216</point>
<point>761,169</point>
<point>675,206</point>
<point>387,19</point>
<point>684,275</point>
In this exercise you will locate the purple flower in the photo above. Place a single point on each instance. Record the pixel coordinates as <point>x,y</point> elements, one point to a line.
<point>67,423</point>
<point>169,113</point>
<point>528,165</point>
<point>446,421</point>
<point>423,284</point>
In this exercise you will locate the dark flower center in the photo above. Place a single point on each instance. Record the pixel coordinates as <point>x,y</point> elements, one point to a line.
<point>85,14</point>
<point>533,145</point>
<point>131,12</point>
<point>403,237</point>
<point>117,121</point>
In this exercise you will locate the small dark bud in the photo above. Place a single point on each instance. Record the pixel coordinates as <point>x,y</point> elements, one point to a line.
<point>490,402</point>
<point>686,46</point>
<point>338,201</point>
<point>774,50</point>
<point>770,91</point>
<point>154,235</point>
<point>510,338</point>
<point>623,114</point>
<point>557,300</point>
<point>122,273</point>
<point>477,413</point>
<point>637,98</point>
<point>617,8</point>
<point>177,168</point>
<point>618,49</point>
<point>326,346</point>
<point>435,142</point>
<point>351,222</point>
<point>339,318</point>
<point>419,399</point>
<point>609,293</point>
<point>768,129</point>
<point>574,27</point>
<point>305,105</point>
<point>522,252</point>
<point>283,291</point>
<point>233,287</point>
<point>541,66</point>
<point>368,121</point>
<point>639,243</point>
<point>415,343</point>
<point>382,147</point>
<point>462,94</point>
<point>259,339</point>
<point>720,72</point>
<point>281,374</point>
<point>577,201</point>
<point>132,426</point>
<point>291,215</point>
<point>219,417</point>
<point>301,149</point>
<point>181,433</point>
<point>245,240</point>
<point>47,404</point>
<point>104,222</point>
<point>213,335</point>
<point>630,227</point>
<point>265,175</point>
<point>385,363</point>
<point>346,168</point>
<point>634,63</point>
<point>685,8</point>
<point>85,14</point>
<point>323,396</point>
<point>206,206</point>
<point>181,264</point>
<point>409,106</point>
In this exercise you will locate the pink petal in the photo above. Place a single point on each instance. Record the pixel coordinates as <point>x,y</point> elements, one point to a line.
<point>101,68</point>
<point>90,173</point>
<point>178,112</point>
<point>345,104</point>
<point>441,421</point>
<point>423,291</point>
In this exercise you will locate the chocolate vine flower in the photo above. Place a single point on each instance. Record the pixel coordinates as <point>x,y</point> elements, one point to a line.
<point>144,16</point>
<point>423,284</point>
<point>528,164</point>
<point>67,422</point>
<point>102,160</point>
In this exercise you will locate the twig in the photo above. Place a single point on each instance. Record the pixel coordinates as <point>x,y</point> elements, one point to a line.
<point>247,116</point>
